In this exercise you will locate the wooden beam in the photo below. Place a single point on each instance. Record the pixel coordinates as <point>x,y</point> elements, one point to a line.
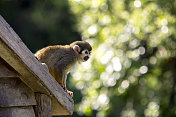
<point>43,107</point>
<point>17,55</point>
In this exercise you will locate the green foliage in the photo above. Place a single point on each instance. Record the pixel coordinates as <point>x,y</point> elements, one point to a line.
<point>131,71</point>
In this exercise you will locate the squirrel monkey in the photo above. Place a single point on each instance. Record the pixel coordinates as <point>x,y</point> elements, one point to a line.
<point>60,59</point>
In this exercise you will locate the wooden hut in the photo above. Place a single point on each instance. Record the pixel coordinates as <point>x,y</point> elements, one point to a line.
<point>26,87</point>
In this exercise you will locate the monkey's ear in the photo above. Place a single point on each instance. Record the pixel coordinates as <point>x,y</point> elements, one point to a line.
<point>76,48</point>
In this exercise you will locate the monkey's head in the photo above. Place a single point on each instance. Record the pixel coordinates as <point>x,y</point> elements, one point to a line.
<point>83,50</point>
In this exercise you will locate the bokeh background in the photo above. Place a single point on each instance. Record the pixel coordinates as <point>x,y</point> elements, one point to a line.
<point>132,70</point>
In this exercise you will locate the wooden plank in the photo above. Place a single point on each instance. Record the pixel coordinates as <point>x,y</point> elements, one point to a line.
<point>13,60</point>
<point>6,70</point>
<point>13,92</point>
<point>17,55</point>
<point>43,107</point>
<point>17,112</point>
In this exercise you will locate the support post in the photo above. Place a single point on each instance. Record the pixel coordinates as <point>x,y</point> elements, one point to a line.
<point>43,107</point>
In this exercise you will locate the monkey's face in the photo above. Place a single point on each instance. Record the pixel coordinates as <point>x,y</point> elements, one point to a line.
<point>83,50</point>
<point>85,55</point>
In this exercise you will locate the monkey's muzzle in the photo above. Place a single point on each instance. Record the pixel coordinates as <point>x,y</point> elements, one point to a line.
<point>86,58</point>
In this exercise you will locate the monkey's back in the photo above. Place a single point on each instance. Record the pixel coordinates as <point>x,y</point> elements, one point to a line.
<point>52,54</point>
<point>49,55</point>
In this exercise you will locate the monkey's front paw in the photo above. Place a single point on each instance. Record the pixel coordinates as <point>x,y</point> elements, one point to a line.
<point>69,92</point>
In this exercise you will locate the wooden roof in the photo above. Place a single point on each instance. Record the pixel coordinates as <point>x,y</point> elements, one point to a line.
<point>32,73</point>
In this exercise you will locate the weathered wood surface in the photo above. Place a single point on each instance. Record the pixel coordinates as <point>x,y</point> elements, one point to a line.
<point>17,112</point>
<point>13,92</point>
<point>17,55</point>
<point>43,107</point>
<point>6,70</point>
